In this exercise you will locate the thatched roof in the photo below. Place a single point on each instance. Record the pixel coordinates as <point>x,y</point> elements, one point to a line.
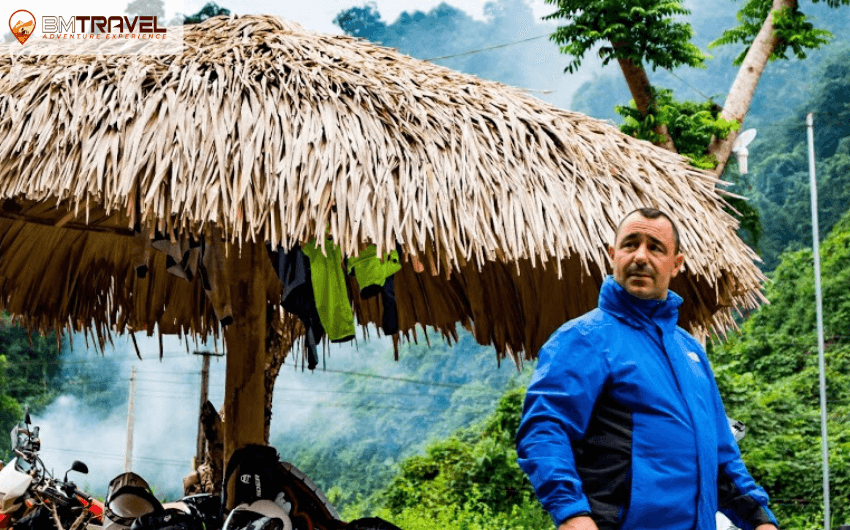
<point>261,125</point>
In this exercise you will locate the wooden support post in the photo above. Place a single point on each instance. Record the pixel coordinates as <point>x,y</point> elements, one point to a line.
<point>244,389</point>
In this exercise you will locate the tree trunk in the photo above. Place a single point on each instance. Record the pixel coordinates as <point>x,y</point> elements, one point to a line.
<point>274,360</point>
<point>744,87</point>
<point>245,338</point>
<point>639,86</point>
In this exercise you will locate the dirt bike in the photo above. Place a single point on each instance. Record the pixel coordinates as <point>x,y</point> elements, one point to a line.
<point>259,493</point>
<point>31,498</point>
<point>131,505</point>
<point>269,494</point>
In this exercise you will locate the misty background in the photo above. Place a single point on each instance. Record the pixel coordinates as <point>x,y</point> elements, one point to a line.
<point>362,394</point>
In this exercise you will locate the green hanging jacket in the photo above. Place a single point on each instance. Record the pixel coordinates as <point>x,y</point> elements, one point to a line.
<point>329,288</point>
<point>371,272</point>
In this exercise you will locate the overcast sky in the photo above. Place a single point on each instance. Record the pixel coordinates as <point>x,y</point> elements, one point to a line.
<point>316,15</point>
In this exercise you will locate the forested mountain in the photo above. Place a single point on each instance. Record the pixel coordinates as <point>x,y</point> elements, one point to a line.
<point>429,393</point>
<point>767,377</point>
<point>450,37</point>
<point>29,368</point>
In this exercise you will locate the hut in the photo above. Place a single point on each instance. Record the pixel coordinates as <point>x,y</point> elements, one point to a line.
<point>249,139</point>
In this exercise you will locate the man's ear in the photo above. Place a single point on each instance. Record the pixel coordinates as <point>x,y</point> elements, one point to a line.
<point>677,266</point>
<point>611,252</point>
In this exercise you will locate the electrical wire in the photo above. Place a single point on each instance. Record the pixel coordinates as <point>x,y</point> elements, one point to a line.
<point>505,45</point>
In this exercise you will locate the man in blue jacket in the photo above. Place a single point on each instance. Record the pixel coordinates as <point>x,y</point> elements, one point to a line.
<point>623,426</point>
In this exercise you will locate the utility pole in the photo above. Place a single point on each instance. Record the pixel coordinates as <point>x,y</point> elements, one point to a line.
<point>128,452</point>
<point>819,311</point>
<point>205,388</point>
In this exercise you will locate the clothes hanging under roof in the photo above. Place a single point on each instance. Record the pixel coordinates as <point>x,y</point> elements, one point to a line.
<point>293,270</point>
<point>330,290</point>
<point>374,277</point>
<point>187,257</point>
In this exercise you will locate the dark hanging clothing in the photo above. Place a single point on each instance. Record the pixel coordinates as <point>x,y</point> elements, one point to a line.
<point>294,272</point>
<point>181,256</point>
<point>389,317</point>
<point>187,258</point>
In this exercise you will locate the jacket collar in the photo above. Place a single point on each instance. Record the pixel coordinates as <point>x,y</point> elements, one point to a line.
<point>636,312</point>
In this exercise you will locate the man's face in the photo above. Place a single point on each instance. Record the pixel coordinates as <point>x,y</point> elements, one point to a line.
<point>645,257</point>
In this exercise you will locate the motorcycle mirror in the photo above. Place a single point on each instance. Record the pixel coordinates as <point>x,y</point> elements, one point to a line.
<point>79,467</point>
<point>27,419</point>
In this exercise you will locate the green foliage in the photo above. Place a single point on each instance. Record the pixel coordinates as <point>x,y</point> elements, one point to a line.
<point>791,25</point>
<point>210,9</point>
<point>359,454</point>
<point>768,377</point>
<point>692,125</point>
<point>645,32</point>
<point>29,369</point>
<point>469,480</point>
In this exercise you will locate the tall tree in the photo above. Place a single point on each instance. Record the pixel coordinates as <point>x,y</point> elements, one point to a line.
<point>210,9</point>
<point>154,8</point>
<point>651,33</point>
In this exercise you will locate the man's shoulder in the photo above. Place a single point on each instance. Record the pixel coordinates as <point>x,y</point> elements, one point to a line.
<point>591,323</point>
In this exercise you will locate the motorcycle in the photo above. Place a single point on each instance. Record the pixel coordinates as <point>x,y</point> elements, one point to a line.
<point>269,494</point>
<point>131,505</point>
<point>259,493</point>
<point>32,498</point>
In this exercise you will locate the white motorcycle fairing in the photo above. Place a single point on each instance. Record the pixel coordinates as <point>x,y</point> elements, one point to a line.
<point>13,484</point>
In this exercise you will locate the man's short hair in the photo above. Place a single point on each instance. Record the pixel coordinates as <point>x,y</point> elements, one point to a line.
<point>651,213</point>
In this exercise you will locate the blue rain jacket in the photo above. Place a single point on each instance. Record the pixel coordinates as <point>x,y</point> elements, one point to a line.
<point>625,399</point>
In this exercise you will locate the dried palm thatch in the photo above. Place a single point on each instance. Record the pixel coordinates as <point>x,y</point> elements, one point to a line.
<point>261,125</point>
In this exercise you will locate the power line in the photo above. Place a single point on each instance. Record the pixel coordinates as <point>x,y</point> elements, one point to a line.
<point>115,456</point>
<point>470,52</point>
<point>390,378</point>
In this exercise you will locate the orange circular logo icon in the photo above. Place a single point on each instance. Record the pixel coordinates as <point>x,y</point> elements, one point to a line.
<point>22,24</point>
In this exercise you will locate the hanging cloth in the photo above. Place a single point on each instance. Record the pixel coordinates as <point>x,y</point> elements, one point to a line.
<point>187,258</point>
<point>330,290</point>
<point>293,271</point>
<point>375,276</point>
<point>371,272</point>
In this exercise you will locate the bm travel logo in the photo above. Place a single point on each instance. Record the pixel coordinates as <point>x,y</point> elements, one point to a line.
<point>23,25</point>
<point>84,34</point>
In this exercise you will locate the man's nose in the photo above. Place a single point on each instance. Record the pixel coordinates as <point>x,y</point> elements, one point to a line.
<point>641,254</point>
